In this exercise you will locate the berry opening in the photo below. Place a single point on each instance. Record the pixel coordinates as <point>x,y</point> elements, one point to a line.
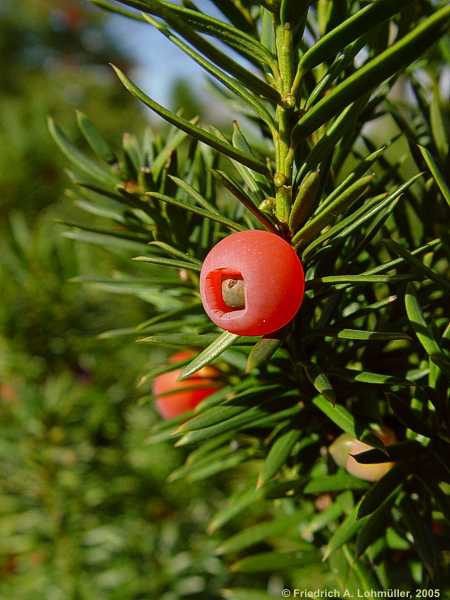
<point>226,291</point>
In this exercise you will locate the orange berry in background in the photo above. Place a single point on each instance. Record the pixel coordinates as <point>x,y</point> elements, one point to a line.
<point>340,449</point>
<point>323,502</point>
<point>346,446</point>
<point>368,472</point>
<point>173,397</point>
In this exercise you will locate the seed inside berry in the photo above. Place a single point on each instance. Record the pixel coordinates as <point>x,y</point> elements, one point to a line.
<point>233,293</point>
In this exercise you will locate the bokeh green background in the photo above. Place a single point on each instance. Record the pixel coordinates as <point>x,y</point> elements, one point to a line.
<point>84,508</point>
<point>86,511</point>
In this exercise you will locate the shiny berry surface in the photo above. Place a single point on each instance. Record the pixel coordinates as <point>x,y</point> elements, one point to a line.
<point>252,283</point>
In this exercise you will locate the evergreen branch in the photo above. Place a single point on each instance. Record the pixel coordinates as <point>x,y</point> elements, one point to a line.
<point>234,188</point>
<point>197,132</point>
<point>380,68</point>
<point>232,84</point>
<point>206,214</point>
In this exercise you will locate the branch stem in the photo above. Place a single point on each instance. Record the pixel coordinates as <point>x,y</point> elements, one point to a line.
<point>282,138</point>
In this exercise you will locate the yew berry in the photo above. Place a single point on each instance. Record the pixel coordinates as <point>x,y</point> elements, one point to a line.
<point>252,283</point>
<point>173,397</point>
<point>345,447</point>
<point>340,449</point>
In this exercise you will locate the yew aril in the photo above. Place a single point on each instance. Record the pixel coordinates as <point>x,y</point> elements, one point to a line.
<point>173,397</point>
<point>252,283</point>
<point>346,447</point>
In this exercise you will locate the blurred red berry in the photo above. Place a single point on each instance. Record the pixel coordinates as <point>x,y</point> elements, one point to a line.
<point>173,397</point>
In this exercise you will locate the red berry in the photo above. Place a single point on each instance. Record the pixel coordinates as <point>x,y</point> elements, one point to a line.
<point>252,283</point>
<point>173,398</point>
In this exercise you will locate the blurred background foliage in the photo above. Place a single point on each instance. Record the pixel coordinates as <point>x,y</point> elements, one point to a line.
<point>84,508</point>
<point>54,58</point>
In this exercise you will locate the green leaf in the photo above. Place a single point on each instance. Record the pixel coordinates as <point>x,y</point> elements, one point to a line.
<point>219,345</point>
<point>366,579</point>
<point>212,416</point>
<point>411,418</point>
<point>206,214</point>
<point>239,193</point>
<point>82,163</point>
<point>334,483</point>
<point>328,516</point>
<point>437,174</point>
<point>195,195</point>
<point>338,414</point>
<point>387,266</point>
<point>377,70</point>
<point>359,170</point>
<point>275,561</point>
<point>441,361</point>
<point>165,153</point>
<point>341,125</point>
<point>258,533</point>
<point>165,426</point>
<point>360,23</point>
<point>195,20</point>
<point>94,139</point>
<point>442,500</point>
<point>367,211</point>
<point>98,211</point>
<point>278,455</point>
<point>275,417</point>
<point>344,280</point>
<point>305,200</point>
<point>418,323</point>
<point>187,24</point>
<point>254,181</point>
<point>261,352</point>
<point>113,333</point>
<point>321,382</point>
<point>332,211</point>
<point>169,262</point>
<point>179,339</point>
<point>246,593</point>
<point>236,14</point>
<point>100,238</point>
<point>188,468</point>
<point>370,377</point>
<point>246,390</point>
<point>218,466</point>
<point>345,532</point>
<point>424,542</point>
<point>374,526</point>
<point>105,5</point>
<point>235,506</point>
<point>383,488</point>
<point>175,252</point>
<point>439,127</point>
<point>378,222</point>
<point>249,418</point>
<point>293,11</point>
<point>197,132</point>
<point>362,335</point>
<point>417,264</point>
